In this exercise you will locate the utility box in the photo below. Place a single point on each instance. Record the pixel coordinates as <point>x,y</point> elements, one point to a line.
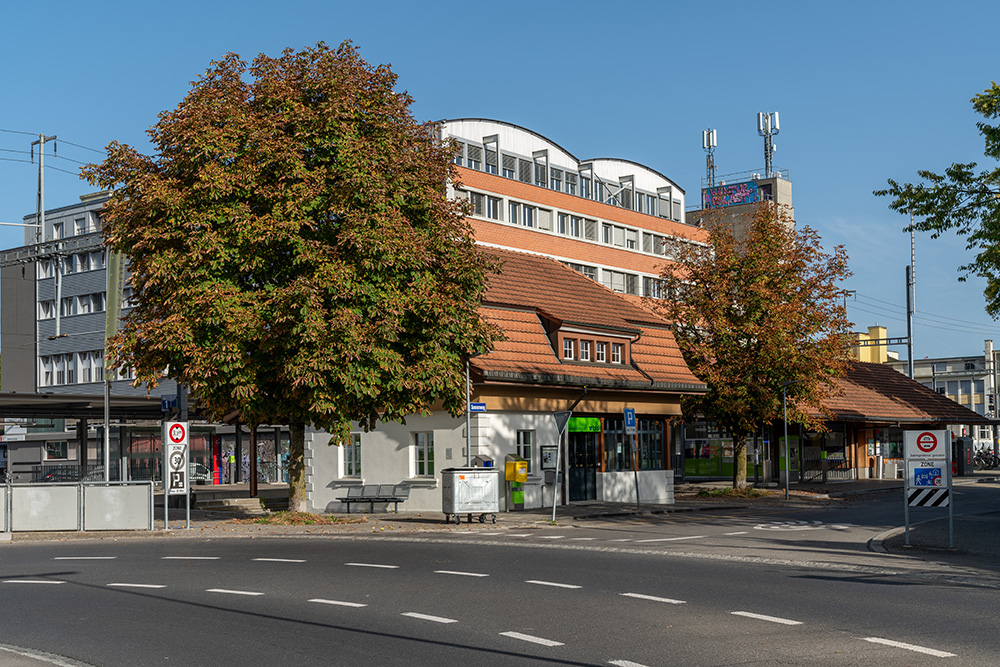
<point>470,491</point>
<point>963,457</point>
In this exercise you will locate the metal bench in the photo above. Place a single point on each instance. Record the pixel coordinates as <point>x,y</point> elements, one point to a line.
<point>376,493</point>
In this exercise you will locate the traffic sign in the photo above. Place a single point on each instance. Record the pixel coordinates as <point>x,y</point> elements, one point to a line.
<point>175,458</point>
<point>477,407</point>
<point>630,428</point>
<point>926,444</point>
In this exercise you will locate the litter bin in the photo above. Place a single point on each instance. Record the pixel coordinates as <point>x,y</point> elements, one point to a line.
<point>470,491</point>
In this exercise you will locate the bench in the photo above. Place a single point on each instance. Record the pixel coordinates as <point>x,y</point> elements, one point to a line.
<point>376,493</point>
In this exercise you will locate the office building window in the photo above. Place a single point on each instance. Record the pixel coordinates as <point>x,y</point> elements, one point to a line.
<point>556,181</point>
<point>493,208</point>
<point>56,450</point>
<point>509,166</point>
<point>423,454</point>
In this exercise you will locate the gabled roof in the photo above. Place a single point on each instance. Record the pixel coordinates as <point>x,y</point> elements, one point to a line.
<point>532,291</point>
<point>879,393</point>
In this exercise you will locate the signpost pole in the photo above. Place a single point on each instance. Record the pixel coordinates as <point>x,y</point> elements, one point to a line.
<point>631,430</point>
<point>951,500</point>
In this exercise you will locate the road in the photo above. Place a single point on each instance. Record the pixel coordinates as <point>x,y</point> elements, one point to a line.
<point>756,587</point>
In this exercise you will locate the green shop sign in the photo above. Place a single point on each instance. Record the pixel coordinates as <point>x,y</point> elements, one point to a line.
<point>584,425</point>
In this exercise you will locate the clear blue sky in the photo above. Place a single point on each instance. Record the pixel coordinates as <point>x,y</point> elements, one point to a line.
<point>866,91</point>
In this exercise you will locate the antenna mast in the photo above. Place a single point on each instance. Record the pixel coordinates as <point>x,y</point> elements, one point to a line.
<point>709,140</point>
<point>767,127</point>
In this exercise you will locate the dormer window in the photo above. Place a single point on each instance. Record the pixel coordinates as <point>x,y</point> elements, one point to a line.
<point>601,352</point>
<point>569,349</point>
<point>616,353</point>
<point>585,350</point>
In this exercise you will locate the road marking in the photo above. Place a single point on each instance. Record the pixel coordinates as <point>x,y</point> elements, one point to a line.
<point>279,560</point>
<point>910,647</point>
<point>621,539</point>
<point>551,583</point>
<point>673,539</point>
<point>653,598</point>
<point>742,532</point>
<point>229,592</point>
<point>583,539</point>
<point>461,574</point>
<point>33,581</point>
<point>41,657</point>
<point>123,585</point>
<point>520,535</point>
<point>762,617</point>
<point>532,639</point>
<point>190,558</point>
<point>551,537</point>
<point>425,617</point>
<point>384,567</point>
<point>339,603</point>
<point>625,663</point>
<point>85,558</point>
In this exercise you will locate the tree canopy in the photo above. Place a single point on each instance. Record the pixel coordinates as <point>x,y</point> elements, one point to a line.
<point>292,252</point>
<point>963,200</point>
<point>754,311</point>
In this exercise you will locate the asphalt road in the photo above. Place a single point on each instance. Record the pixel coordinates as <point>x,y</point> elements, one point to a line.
<point>757,587</point>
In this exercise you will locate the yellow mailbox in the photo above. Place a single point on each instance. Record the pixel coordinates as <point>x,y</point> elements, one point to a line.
<point>516,471</point>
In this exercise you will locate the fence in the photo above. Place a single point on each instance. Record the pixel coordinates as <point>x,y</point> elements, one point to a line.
<point>824,469</point>
<point>77,506</point>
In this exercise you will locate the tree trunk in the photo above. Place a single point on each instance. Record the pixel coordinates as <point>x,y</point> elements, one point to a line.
<point>739,461</point>
<point>296,467</point>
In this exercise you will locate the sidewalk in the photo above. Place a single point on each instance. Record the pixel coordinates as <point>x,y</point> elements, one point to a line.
<point>976,538</point>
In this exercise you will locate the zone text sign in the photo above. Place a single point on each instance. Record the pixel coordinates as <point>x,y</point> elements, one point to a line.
<point>927,445</point>
<point>175,458</point>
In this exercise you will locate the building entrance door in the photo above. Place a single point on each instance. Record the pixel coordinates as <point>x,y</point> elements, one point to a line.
<point>584,459</point>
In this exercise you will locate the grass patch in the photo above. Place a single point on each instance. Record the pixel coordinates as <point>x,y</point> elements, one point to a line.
<point>299,519</point>
<point>729,492</point>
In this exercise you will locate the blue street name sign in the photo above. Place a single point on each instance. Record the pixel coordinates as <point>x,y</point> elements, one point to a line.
<point>477,407</point>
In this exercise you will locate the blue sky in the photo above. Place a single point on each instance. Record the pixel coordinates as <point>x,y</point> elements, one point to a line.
<point>866,91</point>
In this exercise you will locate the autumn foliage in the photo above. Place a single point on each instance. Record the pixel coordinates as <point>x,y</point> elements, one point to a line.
<point>754,309</point>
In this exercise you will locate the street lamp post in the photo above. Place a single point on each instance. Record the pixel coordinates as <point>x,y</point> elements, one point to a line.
<point>784,407</point>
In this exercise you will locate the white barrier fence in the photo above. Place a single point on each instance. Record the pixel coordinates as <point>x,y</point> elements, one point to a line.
<point>77,506</point>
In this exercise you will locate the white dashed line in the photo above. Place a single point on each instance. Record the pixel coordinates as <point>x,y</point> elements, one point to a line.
<point>622,539</point>
<point>640,596</point>
<point>190,558</point>
<point>583,539</point>
<point>33,581</point>
<point>910,647</point>
<point>520,535</point>
<point>762,617</point>
<point>530,638</point>
<point>279,560</point>
<point>425,617</point>
<point>85,558</point>
<point>461,574</point>
<point>384,567</point>
<point>551,583</point>
<point>338,603</point>
<point>229,592</point>
<point>551,537</point>
<point>124,585</point>
<point>625,663</point>
<point>742,532</point>
<point>673,539</point>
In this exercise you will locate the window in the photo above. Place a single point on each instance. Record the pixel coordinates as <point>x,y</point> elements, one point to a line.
<point>92,366</point>
<point>513,209</point>
<point>47,309</point>
<point>616,353</point>
<point>953,387</point>
<point>56,450</point>
<point>458,153</point>
<point>585,187</point>
<point>80,226</point>
<point>528,216</point>
<point>540,178</point>
<point>631,238</point>
<point>966,386</point>
<point>491,161</point>
<point>525,439</point>
<point>557,175</point>
<point>589,271</point>
<point>940,367</point>
<point>652,287</point>
<point>585,350</point>
<point>67,307</point>
<point>509,165</point>
<point>570,183</point>
<point>46,269</point>
<point>493,208</point>
<point>563,224</point>
<point>600,352</point>
<point>569,348</point>
<point>478,203</point>
<point>574,226</point>
<point>475,157</point>
<point>352,456</point>
<point>423,453</point>
<point>980,386</point>
<point>57,231</point>
<point>47,371</point>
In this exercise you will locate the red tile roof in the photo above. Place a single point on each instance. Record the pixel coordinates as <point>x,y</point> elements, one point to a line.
<point>531,288</point>
<point>879,393</point>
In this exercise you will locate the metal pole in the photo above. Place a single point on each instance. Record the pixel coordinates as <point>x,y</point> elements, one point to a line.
<point>555,485</point>
<point>635,467</point>
<point>107,431</point>
<point>468,418</point>
<point>784,407</point>
<point>909,321</point>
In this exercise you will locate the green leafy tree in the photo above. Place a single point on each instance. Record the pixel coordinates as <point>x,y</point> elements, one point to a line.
<point>963,200</point>
<point>292,251</point>
<point>753,310</point>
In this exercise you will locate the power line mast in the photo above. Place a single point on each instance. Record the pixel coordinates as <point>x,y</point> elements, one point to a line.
<point>40,201</point>
<point>767,127</point>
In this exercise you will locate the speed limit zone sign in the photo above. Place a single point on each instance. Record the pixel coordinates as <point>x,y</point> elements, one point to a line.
<point>175,458</point>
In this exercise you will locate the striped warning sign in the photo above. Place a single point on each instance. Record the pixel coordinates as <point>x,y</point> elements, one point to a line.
<point>927,497</point>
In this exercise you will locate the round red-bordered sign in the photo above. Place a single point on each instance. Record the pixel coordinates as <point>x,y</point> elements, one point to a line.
<point>927,442</point>
<point>177,434</point>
